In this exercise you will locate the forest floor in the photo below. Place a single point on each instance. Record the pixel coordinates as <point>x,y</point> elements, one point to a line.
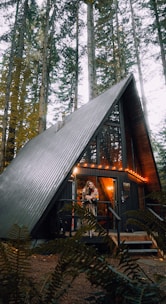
<point>43,266</point>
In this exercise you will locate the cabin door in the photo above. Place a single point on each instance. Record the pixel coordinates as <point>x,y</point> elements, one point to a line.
<point>129,202</point>
<point>108,192</point>
<point>107,188</point>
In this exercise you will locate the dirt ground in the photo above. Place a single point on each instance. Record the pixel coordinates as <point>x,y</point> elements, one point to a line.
<point>43,266</point>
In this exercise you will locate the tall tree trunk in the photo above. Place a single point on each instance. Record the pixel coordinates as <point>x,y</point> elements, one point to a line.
<point>91,51</point>
<point>7,95</point>
<point>119,53</point>
<point>77,58</point>
<point>115,78</point>
<point>43,88</point>
<point>158,25</point>
<point>10,149</point>
<point>139,65</point>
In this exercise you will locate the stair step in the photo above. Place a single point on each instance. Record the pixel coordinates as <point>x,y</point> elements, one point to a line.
<point>150,250</point>
<point>138,242</point>
<point>93,239</point>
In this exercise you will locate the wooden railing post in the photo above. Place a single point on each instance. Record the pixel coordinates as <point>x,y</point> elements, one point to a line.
<point>117,219</point>
<point>118,231</point>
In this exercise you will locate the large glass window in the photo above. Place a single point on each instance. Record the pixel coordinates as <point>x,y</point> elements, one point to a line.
<point>106,148</point>
<point>110,146</point>
<point>90,155</point>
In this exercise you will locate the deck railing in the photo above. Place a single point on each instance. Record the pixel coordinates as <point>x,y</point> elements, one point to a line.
<point>109,216</point>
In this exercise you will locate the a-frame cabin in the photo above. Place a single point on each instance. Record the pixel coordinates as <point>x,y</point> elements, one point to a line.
<point>105,141</point>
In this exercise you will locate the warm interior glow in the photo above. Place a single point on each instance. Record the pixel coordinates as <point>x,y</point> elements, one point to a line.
<point>110,188</point>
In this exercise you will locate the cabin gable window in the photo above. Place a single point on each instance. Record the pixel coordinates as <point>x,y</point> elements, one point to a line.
<point>106,147</point>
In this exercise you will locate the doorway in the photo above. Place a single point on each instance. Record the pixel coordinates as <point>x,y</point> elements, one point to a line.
<point>107,188</point>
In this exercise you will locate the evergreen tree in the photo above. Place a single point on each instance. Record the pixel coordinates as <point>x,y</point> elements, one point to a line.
<point>44,79</point>
<point>5,91</point>
<point>42,65</point>
<point>159,144</point>
<point>70,55</point>
<point>158,28</point>
<point>137,53</point>
<point>91,49</point>
<point>29,73</point>
<point>113,46</point>
<point>14,82</point>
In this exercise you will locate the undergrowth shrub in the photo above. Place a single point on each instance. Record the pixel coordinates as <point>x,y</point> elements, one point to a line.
<point>126,284</point>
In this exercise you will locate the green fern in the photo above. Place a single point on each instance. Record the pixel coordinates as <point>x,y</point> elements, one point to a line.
<point>130,265</point>
<point>75,258</point>
<point>14,264</point>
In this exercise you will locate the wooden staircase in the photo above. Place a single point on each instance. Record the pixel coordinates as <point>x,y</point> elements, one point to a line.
<point>138,243</point>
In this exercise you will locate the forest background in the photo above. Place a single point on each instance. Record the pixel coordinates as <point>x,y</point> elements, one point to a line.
<point>57,55</point>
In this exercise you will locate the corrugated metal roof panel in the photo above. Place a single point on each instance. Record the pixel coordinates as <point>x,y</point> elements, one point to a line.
<point>33,177</point>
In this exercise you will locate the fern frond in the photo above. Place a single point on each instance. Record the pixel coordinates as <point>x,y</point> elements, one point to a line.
<point>129,265</point>
<point>76,258</point>
<point>15,284</point>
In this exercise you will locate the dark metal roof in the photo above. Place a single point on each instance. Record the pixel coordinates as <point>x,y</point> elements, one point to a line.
<point>31,180</point>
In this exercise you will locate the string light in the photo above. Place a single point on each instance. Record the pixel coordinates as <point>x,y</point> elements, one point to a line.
<point>144,179</point>
<point>131,172</point>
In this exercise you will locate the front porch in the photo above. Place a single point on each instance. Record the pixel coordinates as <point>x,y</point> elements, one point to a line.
<point>137,242</point>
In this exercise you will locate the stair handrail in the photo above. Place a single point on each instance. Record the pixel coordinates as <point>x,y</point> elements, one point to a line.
<point>155,214</point>
<point>161,208</point>
<point>118,219</point>
<point>114,213</point>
